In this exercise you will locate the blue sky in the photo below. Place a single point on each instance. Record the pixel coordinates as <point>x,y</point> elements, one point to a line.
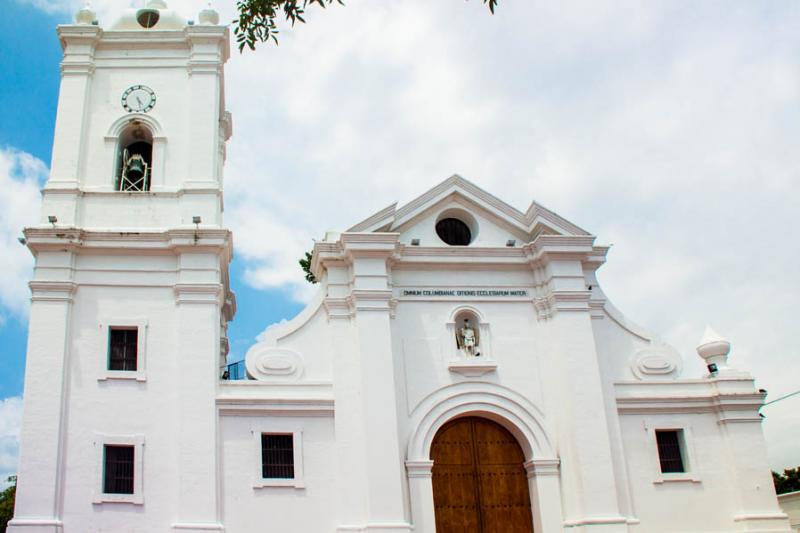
<point>29,91</point>
<point>669,129</point>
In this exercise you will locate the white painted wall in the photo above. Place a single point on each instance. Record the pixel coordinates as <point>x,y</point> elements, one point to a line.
<point>790,504</point>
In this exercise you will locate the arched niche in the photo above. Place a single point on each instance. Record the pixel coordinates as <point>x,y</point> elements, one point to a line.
<point>468,315</point>
<point>136,134</point>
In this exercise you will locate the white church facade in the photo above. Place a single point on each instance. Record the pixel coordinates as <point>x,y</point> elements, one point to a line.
<point>459,371</point>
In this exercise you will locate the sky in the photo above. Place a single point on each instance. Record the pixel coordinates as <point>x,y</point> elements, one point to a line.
<point>668,129</point>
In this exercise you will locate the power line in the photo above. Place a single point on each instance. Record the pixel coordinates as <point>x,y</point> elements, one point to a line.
<point>782,398</point>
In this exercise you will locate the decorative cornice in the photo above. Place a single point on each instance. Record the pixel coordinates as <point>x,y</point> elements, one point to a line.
<point>338,308</point>
<point>198,293</point>
<point>734,400</point>
<point>542,467</point>
<point>79,33</point>
<point>381,243</point>
<point>275,407</point>
<point>52,291</point>
<point>179,239</point>
<point>473,367</point>
<point>77,68</point>
<point>246,398</point>
<point>371,299</point>
<point>423,469</point>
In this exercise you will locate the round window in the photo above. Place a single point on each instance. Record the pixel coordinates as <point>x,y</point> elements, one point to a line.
<point>454,232</point>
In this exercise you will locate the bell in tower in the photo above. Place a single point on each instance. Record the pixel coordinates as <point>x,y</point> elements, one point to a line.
<point>134,159</point>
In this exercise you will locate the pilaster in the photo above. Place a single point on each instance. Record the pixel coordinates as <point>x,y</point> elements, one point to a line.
<point>40,470</point>
<point>750,472</point>
<point>545,490</point>
<point>372,373</point>
<point>79,43</point>
<point>69,143</point>
<point>587,472</point>
<point>199,296</point>
<point>208,54</point>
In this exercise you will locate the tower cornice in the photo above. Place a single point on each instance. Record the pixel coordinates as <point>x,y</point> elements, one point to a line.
<point>176,240</point>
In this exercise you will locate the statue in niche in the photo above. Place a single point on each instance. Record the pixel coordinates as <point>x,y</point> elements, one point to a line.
<point>467,340</point>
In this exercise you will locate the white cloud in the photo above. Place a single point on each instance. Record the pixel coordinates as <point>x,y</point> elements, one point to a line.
<point>20,177</point>
<point>10,423</point>
<point>48,6</point>
<point>667,128</point>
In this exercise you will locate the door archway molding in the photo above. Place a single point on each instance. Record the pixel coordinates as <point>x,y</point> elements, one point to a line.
<point>509,409</point>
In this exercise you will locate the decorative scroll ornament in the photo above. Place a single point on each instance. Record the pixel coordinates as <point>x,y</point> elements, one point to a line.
<point>656,362</point>
<point>267,363</point>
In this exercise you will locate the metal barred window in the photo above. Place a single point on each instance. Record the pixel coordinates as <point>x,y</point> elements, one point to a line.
<point>118,469</point>
<point>669,450</point>
<point>122,349</point>
<point>277,456</point>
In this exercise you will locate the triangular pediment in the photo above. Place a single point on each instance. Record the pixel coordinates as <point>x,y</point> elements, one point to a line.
<point>497,219</point>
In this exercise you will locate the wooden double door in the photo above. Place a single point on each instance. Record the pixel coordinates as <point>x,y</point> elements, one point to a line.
<point>479,481</point>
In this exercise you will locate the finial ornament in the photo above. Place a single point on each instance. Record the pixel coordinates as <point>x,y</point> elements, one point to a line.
<point>209,16</point>
<point>85,15</point>
<point>157,4</point>
<point>714,350</point>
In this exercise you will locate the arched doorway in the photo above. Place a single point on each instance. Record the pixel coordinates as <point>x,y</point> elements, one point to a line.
<point>479,481</point>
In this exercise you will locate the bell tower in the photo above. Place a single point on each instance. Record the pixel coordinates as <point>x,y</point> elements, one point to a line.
<point>130,292</point>
<point>141,110</point>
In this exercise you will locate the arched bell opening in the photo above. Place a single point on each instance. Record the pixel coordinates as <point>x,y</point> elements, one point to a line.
<point>134,159</point>
<point>479,477</point>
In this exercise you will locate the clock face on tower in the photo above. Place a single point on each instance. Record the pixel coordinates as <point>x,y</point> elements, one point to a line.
<point>138,98</point>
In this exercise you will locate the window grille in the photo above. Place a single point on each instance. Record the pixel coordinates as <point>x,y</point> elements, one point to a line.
<point>277,456</point>
<point>669,451</point>
<point>118,469</point>
<point>122,350</point>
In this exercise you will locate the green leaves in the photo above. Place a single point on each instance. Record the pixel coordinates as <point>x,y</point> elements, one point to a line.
<point>257,18</point>
<point>305,264</point>
<point>789,481</point>
<point>7,503</point>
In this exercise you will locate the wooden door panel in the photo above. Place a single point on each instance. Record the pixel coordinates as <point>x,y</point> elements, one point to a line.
<point>455,500</point>
<point>455,497</point>
<point>505,500</point>
<point>479,482</point>
<point>495,445</point>
<point>453,445</point>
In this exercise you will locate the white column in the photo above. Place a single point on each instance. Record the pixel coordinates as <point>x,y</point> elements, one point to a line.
<point>199,298</point>
<point>69,142</point>
<point>758,508</point>
<point>420,484</point>
<point>372,374</point>
<point>208,54</point>
<point>349,427</point>
<point>545,490</point>
<point>77,68</point>
<point>587,473</point>
<point>39,480</point>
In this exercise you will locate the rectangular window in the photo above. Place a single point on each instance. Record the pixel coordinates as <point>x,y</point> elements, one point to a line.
<point>277,456</point>
<point>670,450</point>
<point>123,348</point>
<point>118,469</point>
